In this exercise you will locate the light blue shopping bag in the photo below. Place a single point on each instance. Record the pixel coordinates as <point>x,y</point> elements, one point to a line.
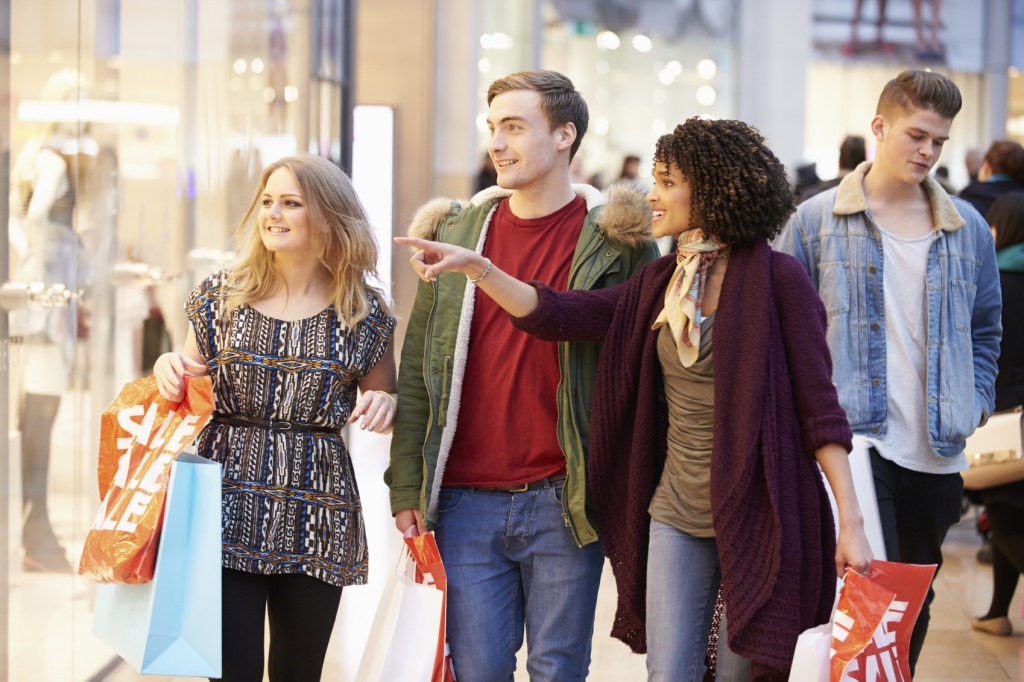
<point>172,625</point>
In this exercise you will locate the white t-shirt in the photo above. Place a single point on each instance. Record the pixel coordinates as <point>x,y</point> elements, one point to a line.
<point>904,265</point>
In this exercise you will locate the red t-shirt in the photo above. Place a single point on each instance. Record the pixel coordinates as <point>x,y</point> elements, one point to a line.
<point>508,413</point>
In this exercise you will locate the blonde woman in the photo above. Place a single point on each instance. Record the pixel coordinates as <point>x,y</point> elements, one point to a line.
<point>297,340</point>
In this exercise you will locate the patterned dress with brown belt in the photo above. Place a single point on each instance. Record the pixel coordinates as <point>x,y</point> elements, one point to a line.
<point>290,499</point>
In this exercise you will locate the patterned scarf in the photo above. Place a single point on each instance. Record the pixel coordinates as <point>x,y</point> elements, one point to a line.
<point>685,293</point>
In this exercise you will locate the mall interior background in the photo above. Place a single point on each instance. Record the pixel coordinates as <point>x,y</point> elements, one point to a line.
<point>168,111</point>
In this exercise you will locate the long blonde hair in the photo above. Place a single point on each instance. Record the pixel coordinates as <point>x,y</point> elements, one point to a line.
<point>342,236</point>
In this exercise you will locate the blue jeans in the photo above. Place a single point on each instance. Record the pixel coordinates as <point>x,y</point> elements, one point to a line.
<point>512,562</point>
<point>682,587</point>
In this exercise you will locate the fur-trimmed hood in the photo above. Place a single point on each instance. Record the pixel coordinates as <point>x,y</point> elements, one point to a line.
<point>624,218</point>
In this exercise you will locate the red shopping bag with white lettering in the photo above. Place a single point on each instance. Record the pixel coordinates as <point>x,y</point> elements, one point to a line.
<point>140,435</point>
<point>859,612</point>
<point>823,651</point>
<point>886,658</point>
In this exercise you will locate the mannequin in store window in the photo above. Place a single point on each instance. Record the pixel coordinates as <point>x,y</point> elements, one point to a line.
<point>45,248</point>
<point>929,43</point>
<point>854,46</point>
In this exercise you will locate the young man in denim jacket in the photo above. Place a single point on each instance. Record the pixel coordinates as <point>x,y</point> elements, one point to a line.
<point>908,277</point>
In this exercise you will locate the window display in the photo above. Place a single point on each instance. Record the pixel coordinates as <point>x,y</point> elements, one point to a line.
<point>137,131</point>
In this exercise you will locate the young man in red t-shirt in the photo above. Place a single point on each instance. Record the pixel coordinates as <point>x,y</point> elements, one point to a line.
<point>490,439</point>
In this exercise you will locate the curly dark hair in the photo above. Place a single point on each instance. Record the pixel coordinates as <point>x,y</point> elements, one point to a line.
<point>739,190</point>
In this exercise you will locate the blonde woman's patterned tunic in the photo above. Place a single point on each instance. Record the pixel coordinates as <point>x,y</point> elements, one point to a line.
<point>290,500</point>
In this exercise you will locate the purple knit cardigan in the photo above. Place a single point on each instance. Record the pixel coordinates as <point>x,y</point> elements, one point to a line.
<point>775,404</point>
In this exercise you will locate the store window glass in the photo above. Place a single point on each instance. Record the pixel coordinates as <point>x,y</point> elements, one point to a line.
<point>136,133</point>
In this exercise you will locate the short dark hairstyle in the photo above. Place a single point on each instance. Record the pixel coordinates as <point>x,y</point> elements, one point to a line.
<point>852,152</point>
<point>559,99</point>
<point>1007,217</point>
<point>1006,157</point>
<point>739,190</point>
<point>923,90</point>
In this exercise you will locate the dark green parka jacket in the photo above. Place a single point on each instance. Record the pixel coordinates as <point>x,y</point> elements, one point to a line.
<point>613,244</point>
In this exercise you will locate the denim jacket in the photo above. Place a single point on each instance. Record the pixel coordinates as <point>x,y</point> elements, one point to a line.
<point>833,235</point>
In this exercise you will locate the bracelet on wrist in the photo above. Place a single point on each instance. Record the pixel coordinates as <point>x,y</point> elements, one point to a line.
<point>487,271</point>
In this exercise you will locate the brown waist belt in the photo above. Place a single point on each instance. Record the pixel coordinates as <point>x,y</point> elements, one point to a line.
<point>548,482</point>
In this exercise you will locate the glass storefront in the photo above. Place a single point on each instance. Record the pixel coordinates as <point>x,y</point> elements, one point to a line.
<point>134,133</point>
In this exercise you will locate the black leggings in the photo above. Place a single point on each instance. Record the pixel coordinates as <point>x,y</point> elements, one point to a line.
<point>1007,524</point>
<point>301,611</point>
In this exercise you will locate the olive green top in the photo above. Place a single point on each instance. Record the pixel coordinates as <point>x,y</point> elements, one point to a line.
<point>683,496</point>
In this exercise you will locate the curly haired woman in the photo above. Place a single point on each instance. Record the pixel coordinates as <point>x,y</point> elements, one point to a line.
<point>706,475</point>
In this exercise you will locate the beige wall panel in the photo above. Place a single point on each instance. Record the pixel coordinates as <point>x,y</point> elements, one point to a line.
<point>394,67</point>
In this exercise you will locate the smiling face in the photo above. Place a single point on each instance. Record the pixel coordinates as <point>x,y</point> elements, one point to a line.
<point>670,200</point>
<point>524,148</point>
<point>909,142</point>
<point>283,219</point>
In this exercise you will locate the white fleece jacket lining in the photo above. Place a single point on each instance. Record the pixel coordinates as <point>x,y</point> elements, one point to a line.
<point>593,198</point>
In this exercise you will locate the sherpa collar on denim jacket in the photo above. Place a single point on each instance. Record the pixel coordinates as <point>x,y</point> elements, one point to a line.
<point>850,199</point>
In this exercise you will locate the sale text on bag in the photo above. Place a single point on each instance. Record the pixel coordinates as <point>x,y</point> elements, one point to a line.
<point>140,435</point>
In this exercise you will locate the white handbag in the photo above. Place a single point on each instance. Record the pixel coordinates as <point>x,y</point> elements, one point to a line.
<point>994,452</point>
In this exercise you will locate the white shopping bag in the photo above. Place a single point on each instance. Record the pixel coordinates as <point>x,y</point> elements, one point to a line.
<point>811,658</point>
<point>404,636</point>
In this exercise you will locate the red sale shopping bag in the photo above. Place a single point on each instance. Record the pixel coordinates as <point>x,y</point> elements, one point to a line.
<point>862,606</point>
<point>140,435</point>
<point>886,658</point>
